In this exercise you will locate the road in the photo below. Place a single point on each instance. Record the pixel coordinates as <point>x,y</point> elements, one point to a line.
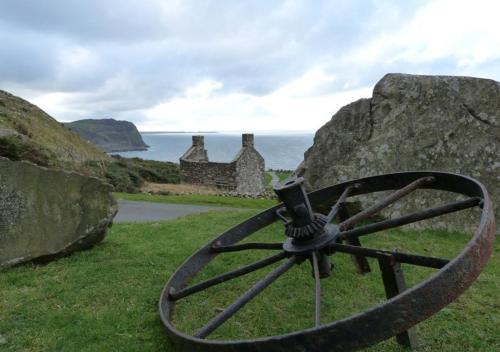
<point>275,179</point>
<point>132,211</point>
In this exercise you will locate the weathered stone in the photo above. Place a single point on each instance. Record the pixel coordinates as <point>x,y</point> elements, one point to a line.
<point>48,213</point>
<point>414,122</point>
<point>244,175</point>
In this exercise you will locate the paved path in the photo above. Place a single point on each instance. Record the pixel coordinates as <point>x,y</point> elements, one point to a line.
<point>149,211</point>
<point>275,179</point>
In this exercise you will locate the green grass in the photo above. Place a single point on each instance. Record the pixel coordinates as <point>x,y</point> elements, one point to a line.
<point>233,202</point>
<point>105,299</point>
<point>267,178</point>
<point>283,174</point>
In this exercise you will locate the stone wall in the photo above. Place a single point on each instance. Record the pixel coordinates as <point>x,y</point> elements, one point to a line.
<point>243,175</point>
<point>209,173</point>
<point>412,122</point>
<point>249,169</point>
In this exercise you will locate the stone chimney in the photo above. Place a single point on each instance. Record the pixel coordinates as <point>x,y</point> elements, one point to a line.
<point>199,142</point>
<point>197,151</point>
<point>247,140</point>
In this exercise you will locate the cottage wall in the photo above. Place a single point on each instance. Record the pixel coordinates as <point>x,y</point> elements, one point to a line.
<point>209,173</point>
<point>249,169</point>
<point>243,175</point>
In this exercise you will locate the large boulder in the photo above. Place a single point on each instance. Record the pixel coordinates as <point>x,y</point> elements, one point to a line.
<point>412,122</point>
<point>47,213</point>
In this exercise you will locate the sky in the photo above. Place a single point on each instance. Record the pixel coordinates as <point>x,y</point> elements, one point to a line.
<point>219,65</point>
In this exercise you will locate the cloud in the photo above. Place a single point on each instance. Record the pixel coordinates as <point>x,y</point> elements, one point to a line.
<point>301,104</point>
<point>226,64</point>
<point>464,34</point>
<point>126,21</point>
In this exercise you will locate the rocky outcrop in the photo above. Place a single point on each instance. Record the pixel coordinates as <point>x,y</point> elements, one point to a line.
<point>110,135</point>
<point>413,122</point>
<point>46,213</point>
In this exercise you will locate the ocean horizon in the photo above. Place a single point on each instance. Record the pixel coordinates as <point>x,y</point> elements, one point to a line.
<point>281,150</point>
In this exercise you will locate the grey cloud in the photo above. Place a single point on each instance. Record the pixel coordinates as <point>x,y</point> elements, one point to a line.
<point>123,20</point>
<point>128,55</point>
<point>24,57</point>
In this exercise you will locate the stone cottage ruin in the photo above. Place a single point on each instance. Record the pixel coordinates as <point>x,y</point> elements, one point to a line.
<point>243,175</point>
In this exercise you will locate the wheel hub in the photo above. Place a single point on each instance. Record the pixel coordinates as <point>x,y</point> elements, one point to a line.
<point>307,232</point>
<point>315,244</point>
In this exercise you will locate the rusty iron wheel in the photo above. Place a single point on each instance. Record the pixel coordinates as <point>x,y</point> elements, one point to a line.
<point>312,237</point>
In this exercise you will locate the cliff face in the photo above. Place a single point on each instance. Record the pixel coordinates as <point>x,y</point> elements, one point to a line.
<point>412,122</point>
<point>28,133</point>
<point>109,135</point>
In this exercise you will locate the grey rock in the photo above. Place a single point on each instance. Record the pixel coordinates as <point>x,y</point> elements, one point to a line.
<point>412,122</point>
<point>45,214</point>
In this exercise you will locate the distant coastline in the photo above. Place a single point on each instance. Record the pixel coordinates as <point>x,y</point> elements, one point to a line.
<point>124,150</point>
<point>284,132</point>
<point>176,132</point>
<point>281,150</point>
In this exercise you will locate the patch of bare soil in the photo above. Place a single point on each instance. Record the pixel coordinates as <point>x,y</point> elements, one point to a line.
<point>170,188</point>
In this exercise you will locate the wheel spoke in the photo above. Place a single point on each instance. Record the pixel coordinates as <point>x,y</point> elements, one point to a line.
<point>317,307</point>
<point>410,218</point>
<point>227,276</point>
<point>360,262</point>
<point>384,203</point>
<point>335,209</point>
<point>245,246</point>
<point>245,298</point>
<point>430,262</point>
<point>280,214</point>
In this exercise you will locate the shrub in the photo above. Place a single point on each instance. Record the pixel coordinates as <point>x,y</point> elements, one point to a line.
<point>14,148</point>
<point>122,178</point>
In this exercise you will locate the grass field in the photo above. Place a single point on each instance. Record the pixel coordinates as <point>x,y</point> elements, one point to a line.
<point>105,299</point>
<point>283,174</point>
<point>200,199</point>
<point>267,179</point>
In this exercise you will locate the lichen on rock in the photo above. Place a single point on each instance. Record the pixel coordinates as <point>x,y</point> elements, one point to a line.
<point>12,206</point>
<point>45,214</point>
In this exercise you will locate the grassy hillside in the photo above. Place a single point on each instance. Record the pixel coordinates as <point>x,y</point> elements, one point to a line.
<point>28,133</point>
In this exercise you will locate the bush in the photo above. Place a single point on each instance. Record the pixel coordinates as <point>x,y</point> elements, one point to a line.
<point>129,174</point>
<point>151,170</point>
<point>122,178</point>
<point>14,148</point>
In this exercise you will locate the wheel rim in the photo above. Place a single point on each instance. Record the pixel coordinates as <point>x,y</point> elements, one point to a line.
<point>375,324</point>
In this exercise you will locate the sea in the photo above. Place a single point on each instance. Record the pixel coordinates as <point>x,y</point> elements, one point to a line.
<point>281,151</point>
